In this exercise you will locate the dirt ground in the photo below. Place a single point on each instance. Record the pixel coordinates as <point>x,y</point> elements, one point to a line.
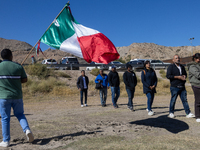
<point>60,123</point>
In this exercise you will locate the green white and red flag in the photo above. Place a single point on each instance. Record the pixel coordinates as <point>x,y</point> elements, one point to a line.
<point>66,34</point>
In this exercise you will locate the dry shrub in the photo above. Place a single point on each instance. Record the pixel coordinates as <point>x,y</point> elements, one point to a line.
<point>162,73</point>
<point>41,86</point>
<point>94,72</point>
<point>62,74</point>
<point>38,70</point>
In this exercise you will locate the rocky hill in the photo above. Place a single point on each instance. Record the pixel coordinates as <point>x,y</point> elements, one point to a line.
<point>154,51</point>
<point>136,50</point>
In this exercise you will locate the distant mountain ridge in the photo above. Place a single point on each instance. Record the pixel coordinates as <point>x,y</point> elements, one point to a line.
<point>135,50</point>
<point>154,51</point>
<point>14,45</point>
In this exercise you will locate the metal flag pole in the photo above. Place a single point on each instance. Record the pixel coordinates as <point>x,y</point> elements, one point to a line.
<point>44,33</point>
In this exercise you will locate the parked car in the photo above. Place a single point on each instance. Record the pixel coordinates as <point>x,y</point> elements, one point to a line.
<point>50,62</point>
<point>137,64</point>
<point>158,62</point>
<point>69,60</point>
<point>116,63</point>
<point>101,66</point>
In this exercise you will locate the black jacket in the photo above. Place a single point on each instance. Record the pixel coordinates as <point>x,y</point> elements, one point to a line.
<point>130,80</point>
<point>80,84</point>
<point>172,71</point>
<point>113,79</point>
<point>148,78</point>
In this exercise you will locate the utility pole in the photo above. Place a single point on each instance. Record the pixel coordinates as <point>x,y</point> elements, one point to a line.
<point>191,43</point>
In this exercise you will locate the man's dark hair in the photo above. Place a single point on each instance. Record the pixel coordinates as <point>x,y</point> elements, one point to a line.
<point>195,56</point>
<point>146,62</point>
<point>82,71</point>
<point>6,54</point>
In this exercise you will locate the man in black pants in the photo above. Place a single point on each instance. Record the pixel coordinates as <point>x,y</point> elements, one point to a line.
<point>82,85</point>
<point>130,80</point>
<point>113,79</point>
<point>177,75</point>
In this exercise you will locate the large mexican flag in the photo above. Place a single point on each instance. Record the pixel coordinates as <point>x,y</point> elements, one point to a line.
<point>66,34</point>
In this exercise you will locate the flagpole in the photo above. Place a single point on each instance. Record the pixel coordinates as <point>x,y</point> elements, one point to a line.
<point>43,34</point>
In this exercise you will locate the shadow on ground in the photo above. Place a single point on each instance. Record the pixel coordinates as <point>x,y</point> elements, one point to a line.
<point>45,141</point>
<point>172,125</point>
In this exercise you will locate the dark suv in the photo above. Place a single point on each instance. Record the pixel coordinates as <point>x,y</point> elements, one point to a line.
<point>70,60</point>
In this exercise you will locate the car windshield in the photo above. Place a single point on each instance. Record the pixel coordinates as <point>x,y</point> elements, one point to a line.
<point>51,60</point>
<point>72,59</point>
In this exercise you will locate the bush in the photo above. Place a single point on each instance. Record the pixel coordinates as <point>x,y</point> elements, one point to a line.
<point>62,74</point>
<point>38,70</point>
<point>41,86</point>
<point>162,73</point>
<point>95,72</point>
<point>121,60</point>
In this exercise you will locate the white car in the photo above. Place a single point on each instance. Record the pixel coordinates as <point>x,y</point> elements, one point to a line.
<point>115,63</point>
<point>50,62</point>
<point>98,67</point>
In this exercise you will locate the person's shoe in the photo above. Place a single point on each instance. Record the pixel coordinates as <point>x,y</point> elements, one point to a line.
<point>29,135</point>
<point>85,105</point>
<point>198,120</point>
<point>4,144</point>
<point>105,105</point>
<point>150,113</point>
<point>190,115</point>
<point>130,108</point>
<point>117,106</point>
<point>147,110</point>
<point>171,115</point>
<point>81,105</point>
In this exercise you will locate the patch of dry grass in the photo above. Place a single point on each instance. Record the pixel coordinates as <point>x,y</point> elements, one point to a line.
<point>167,142</point>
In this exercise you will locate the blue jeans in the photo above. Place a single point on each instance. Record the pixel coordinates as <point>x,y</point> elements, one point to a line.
<point>115,94</point>
<point>130,97</point>
<point>81,96</point>
<point>103,95</point>
<point>5,108</point>
<point>150,98</point>
<point>183,96</point>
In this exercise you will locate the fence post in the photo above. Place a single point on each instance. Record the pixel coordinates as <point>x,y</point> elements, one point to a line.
<point>71,66</point>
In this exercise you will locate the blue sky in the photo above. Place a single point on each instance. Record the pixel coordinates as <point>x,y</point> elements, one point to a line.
<point>163,22</point>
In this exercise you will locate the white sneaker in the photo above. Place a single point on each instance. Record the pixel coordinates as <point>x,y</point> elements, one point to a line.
<point>147,110</point>
<point>29,135</point>
<point>150,113</point>
<point>198,120</point>
<point>81,105</point>
<point>190,115</point>
<point>4,144</point>
<point>171,115</point>
<point>85,105</point>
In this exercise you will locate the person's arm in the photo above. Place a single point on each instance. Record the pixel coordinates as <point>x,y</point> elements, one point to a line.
<point>156,79</point>
<point>24,80</point>
<point>78,82</point>
<point>195,71</point>
<point>170,75</point>
<point>143,80</point>
<point>110,79</point>
<point>125,79</point>
<point>97,79</point>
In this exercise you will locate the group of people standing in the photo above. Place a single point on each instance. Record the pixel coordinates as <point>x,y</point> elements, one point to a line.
<point>176,73</point>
